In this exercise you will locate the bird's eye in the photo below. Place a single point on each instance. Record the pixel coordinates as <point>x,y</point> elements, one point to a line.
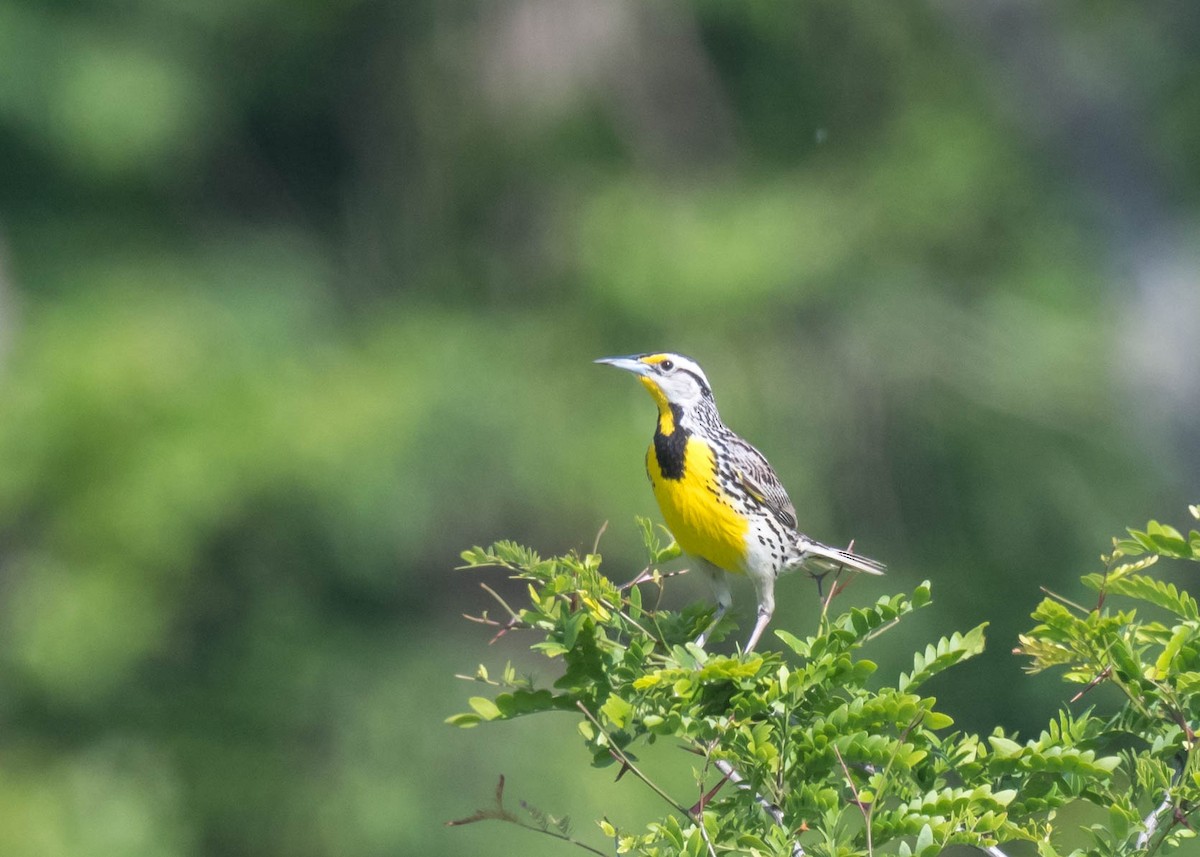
<point>667,365</point>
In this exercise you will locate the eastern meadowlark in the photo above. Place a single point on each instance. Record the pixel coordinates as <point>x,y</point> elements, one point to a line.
<point>719,496</point>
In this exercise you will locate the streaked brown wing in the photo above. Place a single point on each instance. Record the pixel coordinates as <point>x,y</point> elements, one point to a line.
<point>761,483</point>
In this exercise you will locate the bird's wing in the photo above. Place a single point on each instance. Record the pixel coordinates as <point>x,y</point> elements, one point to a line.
<point>761,483</point>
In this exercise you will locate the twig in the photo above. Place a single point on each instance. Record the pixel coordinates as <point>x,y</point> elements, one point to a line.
<point>501,813</point>
<point>699,814</point>
<point>882,629</point>
<point>1103,674</point>
<point>865,809</point>
<point>1065,601</point>
<point>513,613</point>
<point>707,796</point>
<point>478,678</point>
<point>505,627</point>
<point>643,576</point>
<point>619,755</point>
<point>596,543</point>
<point>616,609</point>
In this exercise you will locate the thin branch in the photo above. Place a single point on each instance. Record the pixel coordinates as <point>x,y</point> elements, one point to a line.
<point>1065,601</point>
<point>828,597</point>
<point>620,756</point>
<point>505,627</point>
<point>500,813</point>
<point>513,613</point>
<point>644,576</point>
<point>617,609</point>
<point>1104,673</point>
<point>479,678</point>
<point>865,809</point>
<point>563,836</point>
<point>882,629</point>
<point>596,543</point>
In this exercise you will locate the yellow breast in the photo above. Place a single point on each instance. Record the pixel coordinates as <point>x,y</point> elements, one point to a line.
<point>697,510</point>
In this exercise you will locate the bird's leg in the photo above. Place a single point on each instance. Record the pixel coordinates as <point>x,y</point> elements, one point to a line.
<point>765,587</point>
<point>819,578</point>
<point>721,594</point>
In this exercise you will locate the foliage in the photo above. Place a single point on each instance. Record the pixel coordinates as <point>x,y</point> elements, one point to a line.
<point>819,759</point>
<point>1155,663</point>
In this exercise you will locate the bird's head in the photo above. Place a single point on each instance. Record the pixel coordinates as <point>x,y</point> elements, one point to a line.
<point>672,379</point>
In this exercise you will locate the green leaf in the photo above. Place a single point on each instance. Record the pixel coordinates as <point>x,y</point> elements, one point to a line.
<point>617,710</point>
<point>936,720</point>
<point>1004,748</point>
<point>1108,764</point>
<point>1118,821</point>
<point>1148,589</point>
<point>1181,636</point>
<point>464,720</point>
<point>484,707</point>
<point>1128,547</point>
<point>1164,540</point>
<point>800,647</point>
<point>924,841</point>
<point>936,658</point>
<point>571,629</point>
<point>654,547</point>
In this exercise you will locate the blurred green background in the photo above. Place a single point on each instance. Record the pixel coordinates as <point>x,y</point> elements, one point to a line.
<point>298,300</point>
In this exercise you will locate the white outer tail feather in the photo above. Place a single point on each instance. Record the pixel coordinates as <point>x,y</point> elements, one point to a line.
<point>831,558</point>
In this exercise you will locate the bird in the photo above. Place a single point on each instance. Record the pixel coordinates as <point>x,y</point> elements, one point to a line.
<point>719,497</point>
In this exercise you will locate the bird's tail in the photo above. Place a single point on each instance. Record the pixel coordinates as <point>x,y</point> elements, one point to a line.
<point>815,556</point>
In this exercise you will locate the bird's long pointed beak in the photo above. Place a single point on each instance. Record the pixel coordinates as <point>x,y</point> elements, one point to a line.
<point>629,364</point>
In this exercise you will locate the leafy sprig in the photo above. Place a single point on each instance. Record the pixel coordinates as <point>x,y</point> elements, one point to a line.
<point>804,750</point>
